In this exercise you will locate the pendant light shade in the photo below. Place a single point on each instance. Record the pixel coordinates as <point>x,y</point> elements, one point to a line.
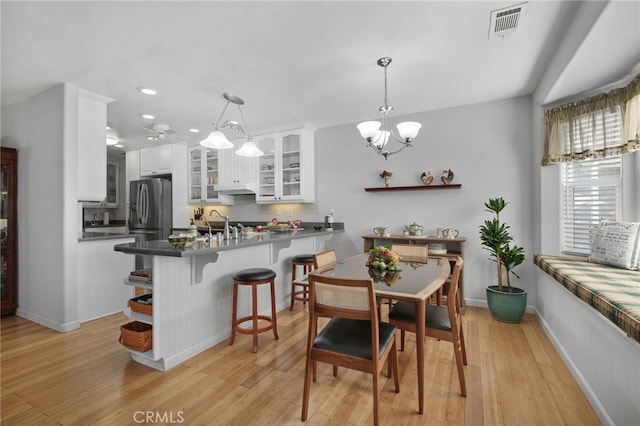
<point>249,149</point>
<point>408,130</point>
<point>216,140</point>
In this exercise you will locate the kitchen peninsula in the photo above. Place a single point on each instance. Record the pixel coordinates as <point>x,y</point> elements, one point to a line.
<point>192,287</point>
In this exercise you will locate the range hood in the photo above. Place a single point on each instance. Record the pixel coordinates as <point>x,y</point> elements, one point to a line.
<point>236,188</point>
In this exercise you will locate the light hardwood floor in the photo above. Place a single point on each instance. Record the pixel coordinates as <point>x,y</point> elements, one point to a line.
<point>514,376</point>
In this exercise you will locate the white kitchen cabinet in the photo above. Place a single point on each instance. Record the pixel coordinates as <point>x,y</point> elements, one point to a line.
<point>156,160</point>
<point>204,174</point>
<point>100,268</point>
<point>132,171</point>
<point>92,148</point>
<point>237,173</point>
<point>286,170</point>
<point>112,189</point>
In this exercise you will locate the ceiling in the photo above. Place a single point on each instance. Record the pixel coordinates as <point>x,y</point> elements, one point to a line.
<point>291,62</point>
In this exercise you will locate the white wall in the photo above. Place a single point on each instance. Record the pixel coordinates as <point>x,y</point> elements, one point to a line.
<point>489,148</point>
<point>42,128</point>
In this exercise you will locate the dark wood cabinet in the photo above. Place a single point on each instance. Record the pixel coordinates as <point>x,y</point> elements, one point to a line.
<point>455,248</point>
<point>8,230</point>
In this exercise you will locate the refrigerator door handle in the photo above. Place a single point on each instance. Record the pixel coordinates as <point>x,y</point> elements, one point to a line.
<point>139,203</point>
<point>146,203</point>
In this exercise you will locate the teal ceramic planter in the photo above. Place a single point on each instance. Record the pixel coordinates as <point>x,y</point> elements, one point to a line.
<point>507,307</point>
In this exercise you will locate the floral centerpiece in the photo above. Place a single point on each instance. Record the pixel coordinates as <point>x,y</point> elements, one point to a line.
<point>384,265</point>
<point>382,258</point>
<point>386,175</point>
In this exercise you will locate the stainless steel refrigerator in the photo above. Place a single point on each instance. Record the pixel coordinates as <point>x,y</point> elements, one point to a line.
<point>150,208</point>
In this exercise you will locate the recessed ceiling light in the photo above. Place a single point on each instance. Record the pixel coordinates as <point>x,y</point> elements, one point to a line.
<point>147,116</point>
<point>108,128</point>
<point>119,145</point>
<point>151,138</point>
<point>111,141</point>
<point>194,130</point>
<point>147,91</point>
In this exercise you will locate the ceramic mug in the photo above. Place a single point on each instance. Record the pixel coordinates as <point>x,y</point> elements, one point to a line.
<point>452,233</point>
<point>440,232</point>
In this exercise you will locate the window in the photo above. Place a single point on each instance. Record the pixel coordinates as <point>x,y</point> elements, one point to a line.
<point>591,191</point>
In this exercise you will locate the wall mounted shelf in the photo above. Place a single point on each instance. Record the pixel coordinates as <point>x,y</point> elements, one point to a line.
<point>413,188</point>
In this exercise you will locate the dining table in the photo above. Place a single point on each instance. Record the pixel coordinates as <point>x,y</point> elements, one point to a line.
<point>417,279</point>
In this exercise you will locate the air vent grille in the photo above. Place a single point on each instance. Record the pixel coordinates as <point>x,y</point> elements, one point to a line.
<point>505,21</point>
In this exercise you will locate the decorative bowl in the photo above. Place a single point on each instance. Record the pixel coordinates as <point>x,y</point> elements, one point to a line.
<point>177,241</point>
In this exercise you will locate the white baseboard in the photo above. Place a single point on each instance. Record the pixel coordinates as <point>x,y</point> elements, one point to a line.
<point>47,322</point>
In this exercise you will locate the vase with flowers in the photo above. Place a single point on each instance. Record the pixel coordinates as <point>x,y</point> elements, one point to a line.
<point>386,175</point>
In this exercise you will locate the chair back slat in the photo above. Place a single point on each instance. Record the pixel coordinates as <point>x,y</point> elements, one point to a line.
<point>351,298</point>
<point>324,259</point>
<point>453,303</point>
<point>410,250</point>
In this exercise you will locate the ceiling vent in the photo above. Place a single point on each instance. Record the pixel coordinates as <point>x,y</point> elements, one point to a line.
<point>505,21</point>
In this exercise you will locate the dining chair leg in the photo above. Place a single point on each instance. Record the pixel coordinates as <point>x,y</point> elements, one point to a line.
<point>464,350</point>
<point>402,340</point>
<point>394,362</point>
<point>309,366</point>
<point>458,353</point>
<point>376,398</point>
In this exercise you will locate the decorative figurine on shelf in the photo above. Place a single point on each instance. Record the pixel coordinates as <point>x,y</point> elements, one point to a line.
<point>426,178</point>
<point>386,176</point>
<point>447,177</point>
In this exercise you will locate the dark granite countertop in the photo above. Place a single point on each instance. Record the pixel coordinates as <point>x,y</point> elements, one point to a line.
<point>164,248</point>
<point>97,236</point>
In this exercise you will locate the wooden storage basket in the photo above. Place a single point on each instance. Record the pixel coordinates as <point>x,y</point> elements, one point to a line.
<point>137,335</point>
<point>144,308</point>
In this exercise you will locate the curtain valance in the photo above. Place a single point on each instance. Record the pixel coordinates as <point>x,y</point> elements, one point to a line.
<point>601,126</point>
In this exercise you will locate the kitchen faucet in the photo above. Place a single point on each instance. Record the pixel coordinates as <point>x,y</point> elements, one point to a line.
<point>226,224</point>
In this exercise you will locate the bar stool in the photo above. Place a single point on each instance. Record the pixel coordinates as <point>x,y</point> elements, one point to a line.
<point>306,262</point>
<point>253,277</point>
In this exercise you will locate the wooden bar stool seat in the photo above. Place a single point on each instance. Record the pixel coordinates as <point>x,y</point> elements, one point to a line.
<point>253,277</point>
<point>299,289</point>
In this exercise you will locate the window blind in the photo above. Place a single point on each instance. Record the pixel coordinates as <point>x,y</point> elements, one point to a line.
<point>591,192</point>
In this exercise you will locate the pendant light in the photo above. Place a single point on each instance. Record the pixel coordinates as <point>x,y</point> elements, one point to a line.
<point>377,134</point>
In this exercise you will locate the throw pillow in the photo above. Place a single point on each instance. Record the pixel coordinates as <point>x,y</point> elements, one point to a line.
<point>617,244</point>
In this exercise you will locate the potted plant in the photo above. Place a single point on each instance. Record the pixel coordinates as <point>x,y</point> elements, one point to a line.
<point>506,303</point>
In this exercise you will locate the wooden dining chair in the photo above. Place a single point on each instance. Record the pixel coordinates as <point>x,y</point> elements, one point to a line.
<point>353,337</point>
<point>324,259</point>
<point>410,251</point>
<point>407,252</point>
<point>442,322</point>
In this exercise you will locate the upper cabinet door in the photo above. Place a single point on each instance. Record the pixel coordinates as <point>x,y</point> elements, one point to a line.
<point>156,160</point>
<point>92,148</point>
<point>204,169</point>
<point>286,170</point>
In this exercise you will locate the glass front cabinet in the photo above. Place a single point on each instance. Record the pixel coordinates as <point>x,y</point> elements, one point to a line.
<point>204,174</point>
<point>286,170</point>
<point>8,230</point>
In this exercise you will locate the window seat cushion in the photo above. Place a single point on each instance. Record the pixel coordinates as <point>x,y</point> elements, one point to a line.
<point>613,292</point>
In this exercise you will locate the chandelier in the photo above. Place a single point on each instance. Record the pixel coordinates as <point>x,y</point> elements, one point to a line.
<point>218,140</point>
<point>377,134</point>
